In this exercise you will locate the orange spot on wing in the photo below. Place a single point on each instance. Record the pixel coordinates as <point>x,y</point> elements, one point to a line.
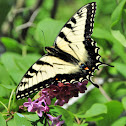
<point>86,68</point>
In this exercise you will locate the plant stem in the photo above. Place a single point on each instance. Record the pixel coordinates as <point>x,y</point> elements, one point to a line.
<point>9,118</point>
<point>4,105</point>
<point>78,121</point>
<point>24,51</point>
<point>104,93</point>
<point>10,99</point>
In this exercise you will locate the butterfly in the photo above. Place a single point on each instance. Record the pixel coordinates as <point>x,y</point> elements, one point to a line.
<point>73,57</point>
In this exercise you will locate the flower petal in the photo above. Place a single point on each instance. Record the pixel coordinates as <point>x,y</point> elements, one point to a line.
<point>26,104</point>
<point>41,108</point>
<point>50,117</point>
<point>60,123</point>
<point>30,108</point>
<point>39,113</point>
<point>48,100</point>
<point>29,100</point>
<point>46,109</point>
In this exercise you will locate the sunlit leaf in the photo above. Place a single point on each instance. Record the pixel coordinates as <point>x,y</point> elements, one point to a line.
<point>120,122</point>
<point>114,110</point>
<point>119,36</point>
<point>121,68</point>
<point>116,15</point>
<point>32,117</point>
<point>11,44</point>
<point>95,110</point>
<point>124,102</point>
<point>102,34</point>
<point>20,120</point>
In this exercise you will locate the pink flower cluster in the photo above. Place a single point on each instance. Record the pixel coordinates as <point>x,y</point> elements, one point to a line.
<point>63,92</point>
<point>36,106</point>
<point>40,106</point>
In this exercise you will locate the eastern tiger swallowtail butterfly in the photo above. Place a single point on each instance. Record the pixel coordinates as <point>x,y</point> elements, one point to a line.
<point>73,57</point>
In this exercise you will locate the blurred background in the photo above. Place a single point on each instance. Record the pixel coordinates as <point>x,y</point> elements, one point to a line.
<point>27,26</point>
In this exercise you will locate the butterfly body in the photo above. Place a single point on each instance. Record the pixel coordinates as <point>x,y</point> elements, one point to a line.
<point>73,57</point>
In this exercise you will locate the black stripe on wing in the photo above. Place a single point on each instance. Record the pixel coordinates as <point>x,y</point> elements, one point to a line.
<point>62,35</point>
<point>31,70</point>
<point>39,62</point>
<point>73,20</point>
<point>57,52</point>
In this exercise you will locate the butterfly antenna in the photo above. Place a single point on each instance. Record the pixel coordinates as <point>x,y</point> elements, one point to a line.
<point>44,39</point>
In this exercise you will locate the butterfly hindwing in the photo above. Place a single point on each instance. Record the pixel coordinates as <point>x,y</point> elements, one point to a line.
<point>42,74</point>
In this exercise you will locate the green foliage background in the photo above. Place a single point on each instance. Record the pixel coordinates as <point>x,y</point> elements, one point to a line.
<point>19,50</point>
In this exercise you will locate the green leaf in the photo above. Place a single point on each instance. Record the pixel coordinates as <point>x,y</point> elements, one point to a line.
<point>4,101</point>
<point>102,34</point>
<point>32,117</point>
<point>20,120</point>
<point>4,92</point>
<point>67,116</point>
<point>120,122</point>
<point>95,110</point>
<point>121,50</point>
<point>2,120</point>
<point>17,65</point>
<point>121,68</point>
<point>8,86</point>
<point>47,30</point>
<point>4,76</point>
<point>124,102</point>
<point>5,81</point>
<point>11,123</point>
<point>116,28</point>
<point>116,15</point>
<point>5,7</point>
<point>116,89</point>
<point>8,60</point>
<point>114,109</point>
<point>119,36</point>
<point>11,44</point>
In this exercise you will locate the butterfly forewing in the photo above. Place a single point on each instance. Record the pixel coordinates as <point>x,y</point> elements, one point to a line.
<point>75,31</point>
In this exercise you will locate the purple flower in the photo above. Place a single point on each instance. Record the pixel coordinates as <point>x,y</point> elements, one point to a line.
<point>55,120</point>
<point>38,107</point>
<point>45,97</point>
<point>32,106</point>
<point>60,102</point>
